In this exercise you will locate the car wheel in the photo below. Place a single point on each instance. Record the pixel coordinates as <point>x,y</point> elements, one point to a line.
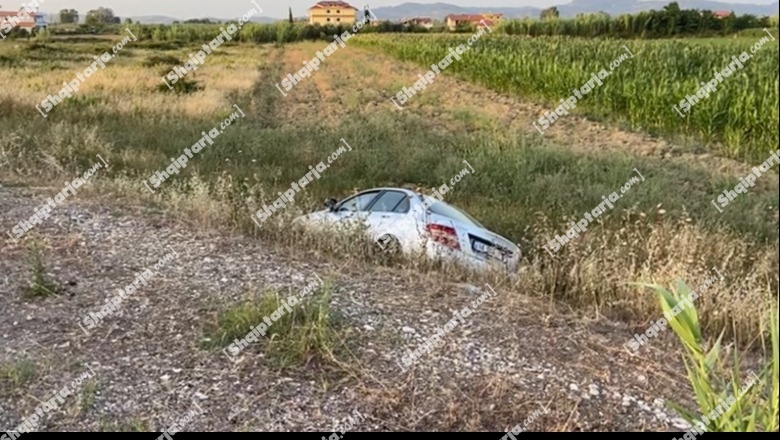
<point>388,248</point>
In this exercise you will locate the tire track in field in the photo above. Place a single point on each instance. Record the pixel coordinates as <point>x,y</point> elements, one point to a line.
<point>305,102</point>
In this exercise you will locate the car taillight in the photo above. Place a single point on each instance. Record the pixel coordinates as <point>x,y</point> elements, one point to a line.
<point>444,235</point>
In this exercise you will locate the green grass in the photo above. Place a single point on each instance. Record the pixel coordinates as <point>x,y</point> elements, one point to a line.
<point>88,392</point>
<point>161,60</point>
<point>16,374</point>
<point>515,178</point>
<point>311,332</point>
<point>40,286</point>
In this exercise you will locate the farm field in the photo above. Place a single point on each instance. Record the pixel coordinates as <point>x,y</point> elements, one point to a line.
<point>526,186</point>
<point>737,115</point>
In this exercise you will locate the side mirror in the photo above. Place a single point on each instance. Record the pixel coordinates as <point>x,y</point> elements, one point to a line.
<point>330,203</point>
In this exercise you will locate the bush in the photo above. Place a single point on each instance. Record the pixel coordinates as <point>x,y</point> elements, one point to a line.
<point>157,60</point>
<point>183,86</point>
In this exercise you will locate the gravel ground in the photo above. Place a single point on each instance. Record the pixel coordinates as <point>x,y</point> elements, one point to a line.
<point>149,363</point>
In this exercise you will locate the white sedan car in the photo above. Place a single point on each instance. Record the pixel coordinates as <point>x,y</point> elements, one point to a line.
<point>411,223</point>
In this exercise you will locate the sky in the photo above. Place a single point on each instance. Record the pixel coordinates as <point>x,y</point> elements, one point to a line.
<point>226,9</point>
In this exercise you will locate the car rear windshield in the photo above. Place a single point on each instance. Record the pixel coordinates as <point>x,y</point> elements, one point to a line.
<point>449,211</point>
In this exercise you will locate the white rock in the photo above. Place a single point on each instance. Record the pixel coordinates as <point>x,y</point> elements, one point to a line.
<point>643,406</point>
<point>680,424</point>
<point>574,387</point>
<point>408,330</point>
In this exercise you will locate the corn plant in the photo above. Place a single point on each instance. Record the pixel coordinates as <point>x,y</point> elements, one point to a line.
<point>738,119</point>
<point>754,408</point>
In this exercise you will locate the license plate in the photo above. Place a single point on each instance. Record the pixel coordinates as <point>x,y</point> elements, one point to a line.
<point>498,255</point>
<point>489,250</point>
<point>480,247</point>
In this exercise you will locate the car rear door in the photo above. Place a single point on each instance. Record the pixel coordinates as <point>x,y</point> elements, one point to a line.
<point>391,213</point>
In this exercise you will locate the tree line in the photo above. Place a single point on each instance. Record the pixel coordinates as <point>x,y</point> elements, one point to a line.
<point>669,22</point>
<point>94,17</point>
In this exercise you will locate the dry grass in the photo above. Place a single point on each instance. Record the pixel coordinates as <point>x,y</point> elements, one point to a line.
<point>597,272</point>
<point>126,84</point>
<point>485,402</point>
<point>594,274</point>
<point>40,285</point>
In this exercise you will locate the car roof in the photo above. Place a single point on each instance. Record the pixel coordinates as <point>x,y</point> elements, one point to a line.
<point>404,190</point>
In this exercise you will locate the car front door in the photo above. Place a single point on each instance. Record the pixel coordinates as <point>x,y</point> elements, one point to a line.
<point>354,208</point>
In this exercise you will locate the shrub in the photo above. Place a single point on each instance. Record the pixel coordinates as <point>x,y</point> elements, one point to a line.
<point>157,60</point>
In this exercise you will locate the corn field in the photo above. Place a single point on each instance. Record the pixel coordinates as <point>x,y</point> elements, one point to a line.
<point>279,32</point>
<point>647,24</point>
<point>739,119</point>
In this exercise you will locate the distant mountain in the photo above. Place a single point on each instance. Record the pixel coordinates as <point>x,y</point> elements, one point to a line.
<point>441,10</point>
<point>612,7</point>
<point>162,19</point>
<point>633,6</point>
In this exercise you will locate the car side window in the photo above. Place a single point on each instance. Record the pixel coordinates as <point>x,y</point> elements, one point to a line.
<point>388,201</point>
<point>358,202</point>
<point>403,207</point>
